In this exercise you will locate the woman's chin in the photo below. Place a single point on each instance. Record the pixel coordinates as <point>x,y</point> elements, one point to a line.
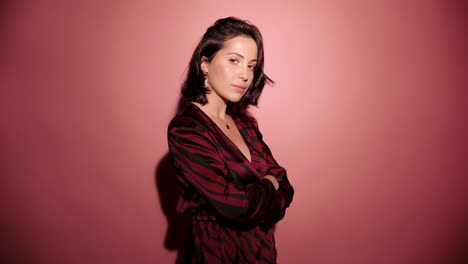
<point>235,98</point>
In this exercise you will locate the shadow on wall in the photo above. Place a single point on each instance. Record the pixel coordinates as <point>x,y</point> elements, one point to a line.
<point>178,225</point>
<point>4,5</point>
<point>460,249</point>
<point>15,248</point>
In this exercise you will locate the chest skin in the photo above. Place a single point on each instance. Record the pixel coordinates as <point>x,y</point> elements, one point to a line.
<point>239,146</point>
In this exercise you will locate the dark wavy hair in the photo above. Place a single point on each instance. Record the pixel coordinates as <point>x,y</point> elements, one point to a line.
<point>212,41</point>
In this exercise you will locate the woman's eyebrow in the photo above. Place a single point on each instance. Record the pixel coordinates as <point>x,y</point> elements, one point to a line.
<point>235,53</point>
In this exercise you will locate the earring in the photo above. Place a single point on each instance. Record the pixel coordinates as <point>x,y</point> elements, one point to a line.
<point>205,74</point>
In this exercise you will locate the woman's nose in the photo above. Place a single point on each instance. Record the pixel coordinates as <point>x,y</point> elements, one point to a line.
<point>244,73</point>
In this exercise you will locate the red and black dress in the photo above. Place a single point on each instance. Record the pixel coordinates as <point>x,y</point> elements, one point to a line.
<point>233,209</point>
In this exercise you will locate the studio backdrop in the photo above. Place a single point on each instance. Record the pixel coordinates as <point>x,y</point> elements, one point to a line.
<point>367,114</point>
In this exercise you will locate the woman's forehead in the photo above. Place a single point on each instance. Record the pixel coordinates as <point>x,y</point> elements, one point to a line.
<point>241,45</point>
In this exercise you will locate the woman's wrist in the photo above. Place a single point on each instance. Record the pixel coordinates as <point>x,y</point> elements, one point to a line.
<point>273,181</point>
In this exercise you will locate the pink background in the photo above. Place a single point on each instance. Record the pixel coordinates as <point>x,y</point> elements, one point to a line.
<point>368,115</point>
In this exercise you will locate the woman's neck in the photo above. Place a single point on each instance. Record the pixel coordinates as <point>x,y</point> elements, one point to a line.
<point>216,108</point>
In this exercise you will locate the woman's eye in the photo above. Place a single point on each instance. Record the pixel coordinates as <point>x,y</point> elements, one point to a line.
<point>252,67</point>
<point>233,60</point>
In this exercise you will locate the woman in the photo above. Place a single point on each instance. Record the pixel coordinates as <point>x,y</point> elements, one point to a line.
<point>229,181</point>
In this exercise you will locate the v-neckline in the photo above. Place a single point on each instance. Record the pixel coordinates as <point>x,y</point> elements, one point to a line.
<point>226,137</point>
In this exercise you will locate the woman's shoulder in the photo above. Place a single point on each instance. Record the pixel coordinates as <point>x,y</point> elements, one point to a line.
<point>190,124</point>
<point>188,117</point>
<point>182,118</point>
<point>247,119</point>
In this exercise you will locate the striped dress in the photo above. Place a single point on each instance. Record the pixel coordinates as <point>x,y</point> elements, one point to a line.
<point>233,209</point>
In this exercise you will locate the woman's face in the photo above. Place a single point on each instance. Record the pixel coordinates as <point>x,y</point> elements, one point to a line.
<point>231,70</point>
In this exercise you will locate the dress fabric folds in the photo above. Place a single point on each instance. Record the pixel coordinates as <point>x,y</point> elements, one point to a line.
<point>233,209</point>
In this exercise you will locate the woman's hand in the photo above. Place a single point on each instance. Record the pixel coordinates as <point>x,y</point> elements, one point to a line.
<point>273,180</point>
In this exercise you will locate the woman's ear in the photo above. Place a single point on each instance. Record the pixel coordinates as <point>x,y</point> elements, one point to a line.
<point>204,63</point>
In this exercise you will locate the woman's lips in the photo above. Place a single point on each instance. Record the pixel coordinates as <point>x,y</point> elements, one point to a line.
<point>239,88</point>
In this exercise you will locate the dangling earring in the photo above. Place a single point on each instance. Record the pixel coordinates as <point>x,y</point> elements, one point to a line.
<point>205,74</point>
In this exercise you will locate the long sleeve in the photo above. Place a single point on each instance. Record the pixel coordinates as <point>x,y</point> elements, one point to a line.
<point>285,188</point>
<point>201,168</point>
